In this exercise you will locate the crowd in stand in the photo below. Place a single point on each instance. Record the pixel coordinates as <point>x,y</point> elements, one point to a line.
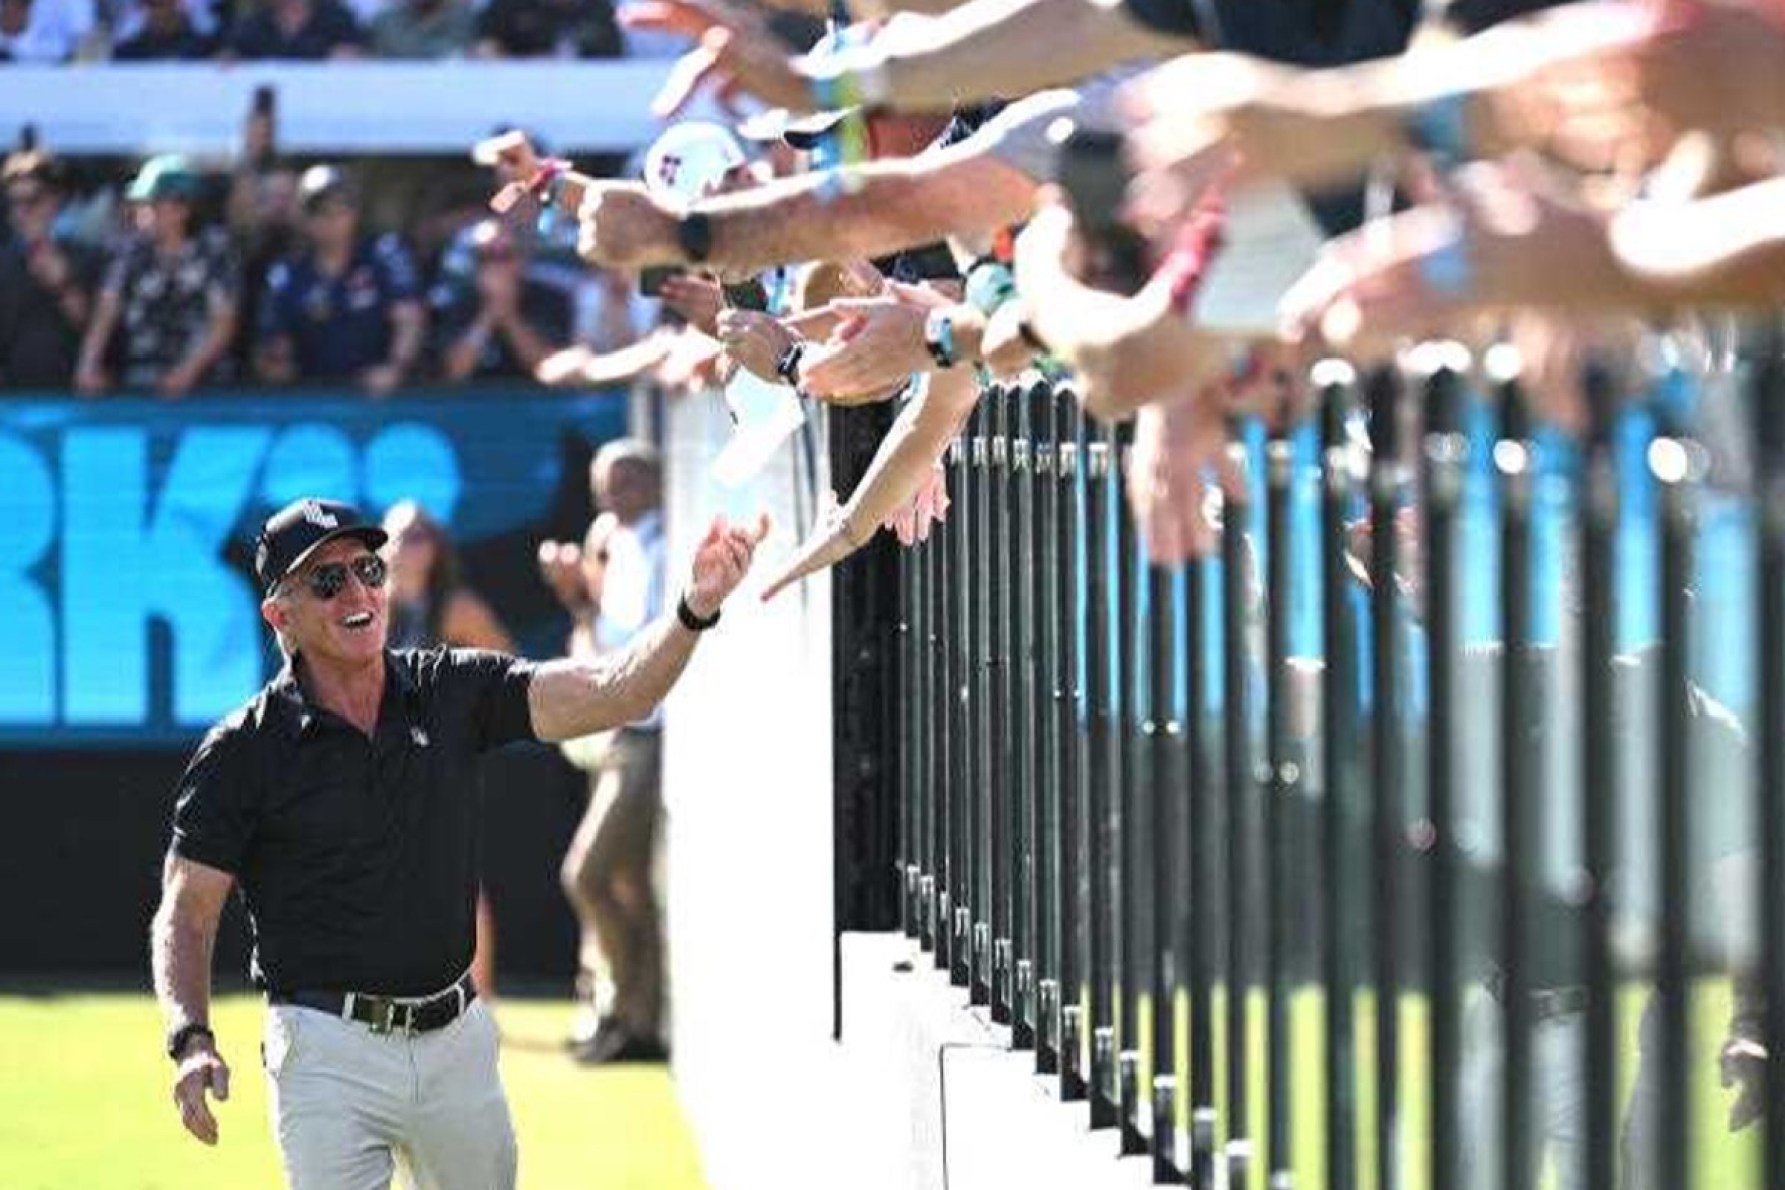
<point>272,277</point>
<point>51,31</point>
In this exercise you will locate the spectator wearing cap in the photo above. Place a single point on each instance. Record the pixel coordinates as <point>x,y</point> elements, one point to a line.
<point>168,306</point>
<point>423,29</point>
<point>296,29</point>
<point>166,33</point>
<point>44,31</point>
<point>549,29</point>
<point>346,308</point>
<point>503,323</point>
<point>47,279</point>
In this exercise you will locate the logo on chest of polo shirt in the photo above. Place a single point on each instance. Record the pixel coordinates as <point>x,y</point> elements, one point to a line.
<point>419,736</point>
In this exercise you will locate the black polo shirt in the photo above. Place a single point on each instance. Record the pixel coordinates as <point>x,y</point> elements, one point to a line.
<point>356,858</point>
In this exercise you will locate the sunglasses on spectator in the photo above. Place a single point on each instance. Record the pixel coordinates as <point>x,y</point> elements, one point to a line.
<point>330,579</point>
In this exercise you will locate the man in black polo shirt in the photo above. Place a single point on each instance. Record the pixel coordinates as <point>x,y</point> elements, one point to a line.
<point>343,800</point>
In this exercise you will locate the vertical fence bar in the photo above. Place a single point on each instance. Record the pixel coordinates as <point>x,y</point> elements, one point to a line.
<point>1069,425</point>
<point>1598,504</point>
<point>1201,845</point>
<point>908,780</point>
<point>1670,465</point>
<point>1024,713</point>
<point>1131,901</point>
<point>1338,697</point>
<point>1767,397</point>
<point>979,785</point>
<point>1165,780</point>
<point>1513,467</point>
<point>1099,771</point>
<point>997,691</point>
<point>1444,453</point>
<point>1387,477</point>
<point>1285,781</point>
<point>942,744</point>
<point>1242,796</point>
<point>1050,637</point>
<point>960,735</point>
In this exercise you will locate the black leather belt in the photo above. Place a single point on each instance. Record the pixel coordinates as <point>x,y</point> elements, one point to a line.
<point>388,1014</point>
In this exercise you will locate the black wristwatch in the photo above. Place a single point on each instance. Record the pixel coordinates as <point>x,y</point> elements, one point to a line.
<point>690,621</point>
<point>178,1039</point>
<point>787,367</point>
<point>694,235</point>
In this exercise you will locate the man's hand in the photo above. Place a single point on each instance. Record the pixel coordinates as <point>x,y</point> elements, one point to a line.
<point>178,381</point>
<point>721,561</point>
<point>1167,485</point>
<point>622,226</point>
<point>696,298</point>
<point>737,53</point>
<point>515,161</point>
<point>911,524</point>
<point>875,345</point>
<point>202,1070</point>
<point>831,541</point>
<point>1743,1066</point>
<point>755,340</point>
<point>561,568</point>
<point>92,380</point>
<point>381,380</point>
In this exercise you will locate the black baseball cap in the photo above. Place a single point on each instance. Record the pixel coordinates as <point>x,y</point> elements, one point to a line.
<point>301,528</point>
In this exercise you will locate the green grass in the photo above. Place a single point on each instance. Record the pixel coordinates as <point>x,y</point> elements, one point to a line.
<point>85,1102</point>
<point>1719,1160</point>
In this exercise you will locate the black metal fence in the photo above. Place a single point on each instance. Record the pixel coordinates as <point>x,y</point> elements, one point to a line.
<point>1415,834</point>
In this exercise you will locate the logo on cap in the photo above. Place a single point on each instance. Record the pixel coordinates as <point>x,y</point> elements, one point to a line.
<point>319,516</point>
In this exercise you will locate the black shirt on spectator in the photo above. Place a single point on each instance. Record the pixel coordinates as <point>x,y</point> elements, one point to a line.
<point>549,309</point>
<point>183,44</point>
<point>356,858</point>
<point>552,28</point>
<point>39,346</point>
<point>167,303</point>
<point>330,26</point>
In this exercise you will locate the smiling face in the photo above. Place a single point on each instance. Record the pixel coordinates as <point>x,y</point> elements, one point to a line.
<point>345,631</point>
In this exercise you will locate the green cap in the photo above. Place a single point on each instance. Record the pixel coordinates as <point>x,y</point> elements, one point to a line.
<point>166,176</point>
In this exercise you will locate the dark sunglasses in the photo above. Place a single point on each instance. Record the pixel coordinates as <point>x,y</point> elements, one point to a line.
<point>330,579</point>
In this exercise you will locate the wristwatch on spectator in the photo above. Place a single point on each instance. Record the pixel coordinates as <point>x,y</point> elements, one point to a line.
<point>694,235</point>
<point>690,620</point>
<point>938,337</point>
<point>787,367</point>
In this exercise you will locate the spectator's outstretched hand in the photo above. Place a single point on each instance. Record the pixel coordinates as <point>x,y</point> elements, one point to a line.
<point>721,561</point>
<point>911,524</point>
<point>875,344</point>
<point>737,54</point>
<point>756,341</point>
<point>1506,241</point>
<point>1174,442</point>
<point>515,161</point>
<point>831,541</point>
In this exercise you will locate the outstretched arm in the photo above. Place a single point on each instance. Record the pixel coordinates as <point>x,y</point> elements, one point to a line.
<point>579,696</point>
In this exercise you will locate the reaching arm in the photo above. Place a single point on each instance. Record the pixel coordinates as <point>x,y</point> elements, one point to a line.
<point>579,696</point>
<point>991,48</point>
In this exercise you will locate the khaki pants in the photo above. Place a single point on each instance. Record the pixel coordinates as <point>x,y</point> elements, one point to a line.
<point>607,876</point>
<point>350,1107</point>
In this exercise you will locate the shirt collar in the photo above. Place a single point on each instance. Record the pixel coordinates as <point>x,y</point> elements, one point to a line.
<point>300,714</point>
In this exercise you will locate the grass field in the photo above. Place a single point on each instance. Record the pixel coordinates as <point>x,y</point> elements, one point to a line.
<point>85,1104</point>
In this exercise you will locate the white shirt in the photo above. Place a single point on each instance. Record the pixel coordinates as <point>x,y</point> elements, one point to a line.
<point>632,587</point>
<point>52,32</point>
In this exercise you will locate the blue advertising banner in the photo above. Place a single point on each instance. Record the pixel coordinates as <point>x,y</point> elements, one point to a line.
<point>126,531</point>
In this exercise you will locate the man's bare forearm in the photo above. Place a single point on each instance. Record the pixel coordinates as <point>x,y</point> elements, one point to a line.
<point>916,440</point>
<point>181,942</point>
<point>899,204</point>
<point>997,48</point>
<point>582,695</point>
